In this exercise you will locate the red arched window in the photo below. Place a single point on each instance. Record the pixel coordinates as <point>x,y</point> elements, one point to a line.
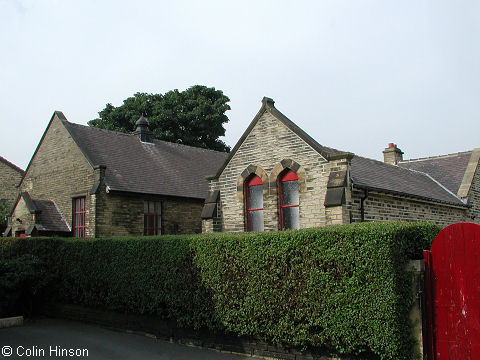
<point>289,200</point>
<point>254,203</point>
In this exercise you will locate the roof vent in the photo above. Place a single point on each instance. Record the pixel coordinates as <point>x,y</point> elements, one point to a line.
<point>143,131</point>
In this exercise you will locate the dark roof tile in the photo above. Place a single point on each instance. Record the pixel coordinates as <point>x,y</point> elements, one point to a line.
<point>49,217</point>
<point>160,168</point>
<point>447,169</point>
<point>376,175</point>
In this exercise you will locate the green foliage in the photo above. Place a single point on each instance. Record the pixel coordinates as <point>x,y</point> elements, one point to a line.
<point>4,212</point>
<point>26,277</point>
<point>342,287</point>
<point>23,281</point>
<point>192,117</point>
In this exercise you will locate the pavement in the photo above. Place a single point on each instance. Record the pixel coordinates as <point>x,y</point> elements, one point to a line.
<point>44,338</point>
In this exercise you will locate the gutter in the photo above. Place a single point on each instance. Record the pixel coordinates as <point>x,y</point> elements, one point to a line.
<point>462,205</point>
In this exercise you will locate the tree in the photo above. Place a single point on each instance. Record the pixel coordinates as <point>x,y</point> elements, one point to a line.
<point>192,117</point>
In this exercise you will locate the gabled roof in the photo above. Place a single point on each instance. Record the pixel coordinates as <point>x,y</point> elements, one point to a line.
<point>160,167</point>
<point>13,166</point>
<point>378,176</point>
<point>365,173</point>
<point>268,106</point>
<point>447,169</point>
<point>49,217</point>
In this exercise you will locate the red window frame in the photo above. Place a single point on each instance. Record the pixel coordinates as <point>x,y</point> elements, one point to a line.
<point>79,213</point>
<point>152,218</point>
<point>288,175</point>
<point>254,180</point>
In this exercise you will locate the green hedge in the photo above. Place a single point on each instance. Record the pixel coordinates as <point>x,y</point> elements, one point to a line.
<point>343,287</point>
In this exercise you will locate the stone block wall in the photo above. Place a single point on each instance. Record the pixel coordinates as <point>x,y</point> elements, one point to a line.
<point>122,214</point>
<point>60,172</point>
<point>473,214</point>
<point>383,207</point>
<point>9,179</point>
<point>22,218</point>
<point>266,151</point>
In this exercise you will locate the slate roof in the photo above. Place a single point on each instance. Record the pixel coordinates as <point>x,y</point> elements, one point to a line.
<point>404,180</point>
<point>49,217</point>
<point>448,169</point>
<point>376,175</point>
<point>13,166</point>
<point>160,168</point>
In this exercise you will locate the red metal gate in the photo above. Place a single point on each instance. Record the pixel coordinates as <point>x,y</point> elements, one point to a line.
<point>452,281</point>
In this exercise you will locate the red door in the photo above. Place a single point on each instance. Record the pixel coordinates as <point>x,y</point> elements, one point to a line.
<point>453,293</point>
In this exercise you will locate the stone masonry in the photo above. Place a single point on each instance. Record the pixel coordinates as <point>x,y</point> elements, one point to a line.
<point>59,171</point>
<point>472,193</point>
<point>122,215</point>
<point>272,144</point>
<point>473,214</point>
<point>268,149</point>
<point>384,207</point>
<point>10,177</point>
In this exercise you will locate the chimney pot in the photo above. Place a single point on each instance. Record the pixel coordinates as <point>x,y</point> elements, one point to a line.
<point>392,154</point>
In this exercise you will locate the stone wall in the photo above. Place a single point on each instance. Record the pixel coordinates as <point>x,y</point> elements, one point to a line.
<point>473,214</point>
<point>9,179</point>
<point>22,218</point>
<point>266,151</point>
<point>121,214</point>
<point>383,207</point>
<point>60,172</point>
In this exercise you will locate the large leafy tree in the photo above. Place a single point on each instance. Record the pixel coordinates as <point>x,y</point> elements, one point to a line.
<point>192,117</point>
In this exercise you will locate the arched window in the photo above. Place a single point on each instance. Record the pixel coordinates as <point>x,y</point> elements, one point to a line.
<point>288,200</point>
<point>254,203</point>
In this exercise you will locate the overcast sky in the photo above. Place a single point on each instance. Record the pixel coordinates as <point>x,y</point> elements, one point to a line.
<point>355,75</point>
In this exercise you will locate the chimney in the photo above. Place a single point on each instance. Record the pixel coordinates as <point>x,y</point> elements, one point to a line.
<point>143,131</point>
<point>392,154</point>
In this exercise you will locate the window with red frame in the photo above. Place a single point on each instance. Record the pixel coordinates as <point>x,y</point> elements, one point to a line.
<point>254,203</point>
<point>152,218</point>
<point>289,200</point>
<point>79,217</point>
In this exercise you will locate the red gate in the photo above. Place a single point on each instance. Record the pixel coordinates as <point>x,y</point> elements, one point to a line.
<point>452,281</point>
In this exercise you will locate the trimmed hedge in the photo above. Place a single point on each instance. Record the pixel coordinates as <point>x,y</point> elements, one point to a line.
<point>342,287</point>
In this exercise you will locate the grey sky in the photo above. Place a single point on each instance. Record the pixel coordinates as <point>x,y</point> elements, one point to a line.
<point>355,75</point>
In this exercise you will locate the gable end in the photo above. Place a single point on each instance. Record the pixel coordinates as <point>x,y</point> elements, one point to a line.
<point>268,106</point>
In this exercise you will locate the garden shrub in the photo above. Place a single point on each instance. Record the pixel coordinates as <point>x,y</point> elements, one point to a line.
<point>342,287</point>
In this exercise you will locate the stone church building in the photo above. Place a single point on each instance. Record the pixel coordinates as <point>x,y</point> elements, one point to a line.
<point>278,177</point>
<point>89,182</point>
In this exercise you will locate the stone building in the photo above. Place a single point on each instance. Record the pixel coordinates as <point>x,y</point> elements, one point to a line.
<point>10,177</point>
<point>278,177</point>
<point>89,182</point>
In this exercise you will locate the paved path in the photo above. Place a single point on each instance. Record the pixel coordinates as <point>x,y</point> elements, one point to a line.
<point>47,338</point>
